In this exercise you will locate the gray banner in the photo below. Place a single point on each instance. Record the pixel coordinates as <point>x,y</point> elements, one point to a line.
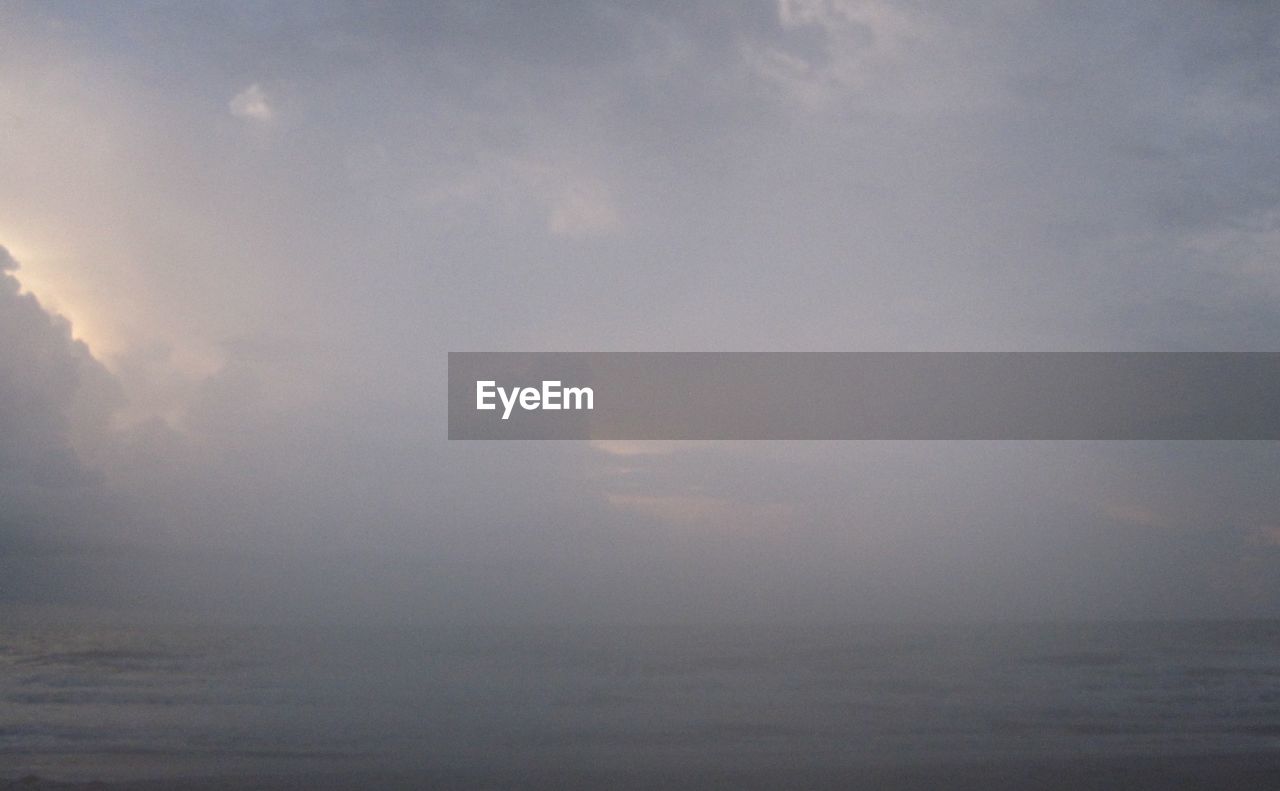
<point>856,395</point>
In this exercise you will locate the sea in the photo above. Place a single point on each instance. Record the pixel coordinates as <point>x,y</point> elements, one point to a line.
<point>492,706</point>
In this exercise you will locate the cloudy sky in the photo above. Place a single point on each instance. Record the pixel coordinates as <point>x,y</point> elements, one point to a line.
<point>241,240</point>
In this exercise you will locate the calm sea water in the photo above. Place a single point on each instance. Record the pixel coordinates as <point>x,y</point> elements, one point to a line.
<point>81,702</point>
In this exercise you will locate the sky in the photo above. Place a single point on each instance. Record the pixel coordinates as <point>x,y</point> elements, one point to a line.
<point>240,240</point>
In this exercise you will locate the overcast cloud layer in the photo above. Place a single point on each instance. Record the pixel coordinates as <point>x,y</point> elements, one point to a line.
<point>241,240</point>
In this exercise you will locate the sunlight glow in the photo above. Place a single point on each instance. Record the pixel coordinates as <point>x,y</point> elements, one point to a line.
<point>59,294</point>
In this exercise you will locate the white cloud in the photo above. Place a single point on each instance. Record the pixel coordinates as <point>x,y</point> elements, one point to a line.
<point>252,104</point>
<point>872,51</point>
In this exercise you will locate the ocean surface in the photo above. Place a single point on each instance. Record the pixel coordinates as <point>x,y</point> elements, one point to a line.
<point>81,702</point>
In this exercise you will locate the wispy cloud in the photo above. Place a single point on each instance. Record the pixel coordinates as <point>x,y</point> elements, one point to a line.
<point>251,104</point>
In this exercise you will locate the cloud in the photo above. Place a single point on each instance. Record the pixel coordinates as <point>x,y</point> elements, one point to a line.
<point>692,176</point>
<point>708,512</point>
<point>869,51</point>
<point>55,406</point>
<point>518,190</point>
<point>252,104</point>
<point>1134,514</point>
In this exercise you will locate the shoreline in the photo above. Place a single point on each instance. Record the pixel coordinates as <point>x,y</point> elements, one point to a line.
<point>1221,772</point>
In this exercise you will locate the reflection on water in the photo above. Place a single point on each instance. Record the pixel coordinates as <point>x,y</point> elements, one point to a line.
<point>99,701</point>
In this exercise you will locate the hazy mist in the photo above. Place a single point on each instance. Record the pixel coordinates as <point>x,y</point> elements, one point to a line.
<point>241,240</point>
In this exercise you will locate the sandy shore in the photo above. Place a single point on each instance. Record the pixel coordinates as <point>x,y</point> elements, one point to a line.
<point>1220,773</point>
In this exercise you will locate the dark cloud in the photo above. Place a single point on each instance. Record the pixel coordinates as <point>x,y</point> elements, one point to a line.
<point>46,382</point>
<point>54,402</point>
